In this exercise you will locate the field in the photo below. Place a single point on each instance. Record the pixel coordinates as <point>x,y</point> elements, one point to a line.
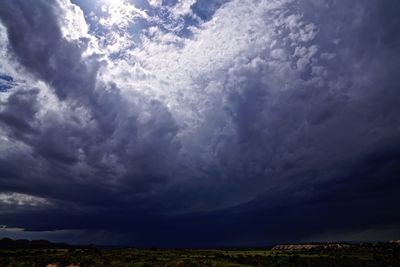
<point>379,255</point>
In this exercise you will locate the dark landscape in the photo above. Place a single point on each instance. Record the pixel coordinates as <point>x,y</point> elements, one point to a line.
<point>21,253</point>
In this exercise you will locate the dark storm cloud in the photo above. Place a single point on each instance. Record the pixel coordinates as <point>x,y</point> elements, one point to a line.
<point>319,156</point>
<point>36,40</point>
<point>113,136</point>
<point>19,112</point>
<point>318,141</point>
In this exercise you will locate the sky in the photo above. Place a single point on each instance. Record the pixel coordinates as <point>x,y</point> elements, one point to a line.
<point>198,123</point>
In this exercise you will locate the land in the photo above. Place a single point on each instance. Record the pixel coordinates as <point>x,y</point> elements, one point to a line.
<point>43,253</point>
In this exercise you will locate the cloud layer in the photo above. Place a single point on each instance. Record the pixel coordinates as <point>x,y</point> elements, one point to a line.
<point>201,122</point>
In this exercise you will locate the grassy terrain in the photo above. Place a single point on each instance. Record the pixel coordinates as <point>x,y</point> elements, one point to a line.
<point>358,255</point>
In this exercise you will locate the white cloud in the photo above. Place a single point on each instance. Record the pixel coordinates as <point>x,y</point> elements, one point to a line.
<point>176,70</point>
<point>72,21</point>
<point>155,3</point>
<point>119,14</point>
<point>196,77</point>
<point>22,200</point>
<point>183,8</point>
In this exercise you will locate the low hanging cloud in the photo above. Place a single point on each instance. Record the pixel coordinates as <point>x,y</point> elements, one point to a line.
<point>22,200</point>
<point>171,118</point>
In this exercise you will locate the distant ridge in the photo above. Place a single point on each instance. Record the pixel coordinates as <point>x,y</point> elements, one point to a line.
<point>7,243</point>
<point>329,246</point>
<point>309,246</point>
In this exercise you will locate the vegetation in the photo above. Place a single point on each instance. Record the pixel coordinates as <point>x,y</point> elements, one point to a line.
<point>368,255</point>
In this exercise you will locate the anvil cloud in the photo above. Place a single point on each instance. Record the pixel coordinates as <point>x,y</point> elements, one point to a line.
<point>201,122</point>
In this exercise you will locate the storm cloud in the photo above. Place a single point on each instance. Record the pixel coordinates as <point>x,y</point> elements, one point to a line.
<point>206,123</point>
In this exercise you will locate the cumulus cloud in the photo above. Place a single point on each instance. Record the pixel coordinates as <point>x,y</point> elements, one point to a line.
<point>175,115</point>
